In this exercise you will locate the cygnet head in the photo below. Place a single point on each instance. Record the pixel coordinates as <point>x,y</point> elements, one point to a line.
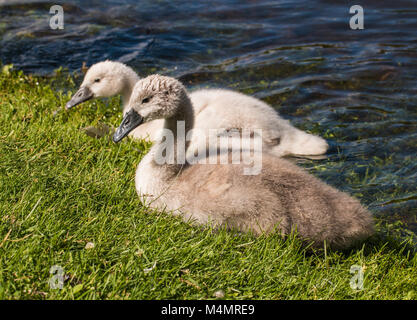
<point>104,79</point>
<point>154,97</point>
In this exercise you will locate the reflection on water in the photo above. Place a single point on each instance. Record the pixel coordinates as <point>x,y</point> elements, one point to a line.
<point>357,88</point>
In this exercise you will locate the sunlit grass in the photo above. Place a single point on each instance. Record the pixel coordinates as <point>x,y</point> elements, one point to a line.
<point>61,189</point>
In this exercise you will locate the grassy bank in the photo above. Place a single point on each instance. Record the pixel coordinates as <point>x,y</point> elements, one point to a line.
<point>69,200</point>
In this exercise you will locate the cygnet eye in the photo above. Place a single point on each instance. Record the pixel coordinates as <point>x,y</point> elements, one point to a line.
<point>146,100</point>
<point>97,80</point>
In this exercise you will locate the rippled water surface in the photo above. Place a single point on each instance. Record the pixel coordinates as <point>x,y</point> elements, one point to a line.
<point>356,88</point>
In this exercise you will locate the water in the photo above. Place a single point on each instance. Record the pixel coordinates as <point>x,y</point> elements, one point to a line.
<point>356,88</point>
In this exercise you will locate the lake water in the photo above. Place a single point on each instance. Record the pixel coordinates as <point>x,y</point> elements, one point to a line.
<point>356,88</point>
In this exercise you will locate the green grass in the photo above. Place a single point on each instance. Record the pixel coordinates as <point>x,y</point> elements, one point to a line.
<point>61,189</point>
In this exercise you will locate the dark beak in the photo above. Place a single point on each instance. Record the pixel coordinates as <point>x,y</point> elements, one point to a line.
<point>83,94</point>
<point>130,121</point>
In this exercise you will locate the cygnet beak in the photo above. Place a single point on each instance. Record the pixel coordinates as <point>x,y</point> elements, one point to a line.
<point>82,95</point>
<point>130,121</point>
